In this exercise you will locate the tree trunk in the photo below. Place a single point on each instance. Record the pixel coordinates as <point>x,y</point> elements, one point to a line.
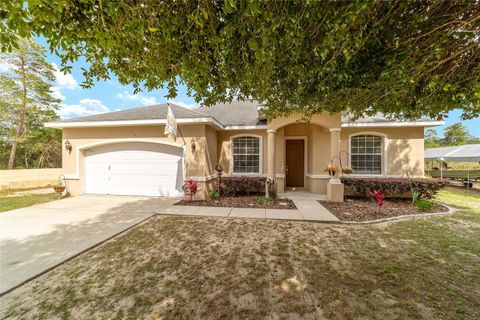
<point>21,117</point>
<point>13,152</point>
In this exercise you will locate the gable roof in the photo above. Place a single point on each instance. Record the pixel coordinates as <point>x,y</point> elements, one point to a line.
<point>228,116</point>
<point>157,111</point>
<point>236,113</point>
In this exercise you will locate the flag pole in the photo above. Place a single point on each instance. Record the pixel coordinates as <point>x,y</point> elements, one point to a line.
<point>181,134</point>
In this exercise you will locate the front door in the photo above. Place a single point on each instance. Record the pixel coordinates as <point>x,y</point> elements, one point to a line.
<point>295,163</point>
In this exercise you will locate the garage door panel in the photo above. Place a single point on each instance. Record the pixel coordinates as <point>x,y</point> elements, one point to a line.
<point>134,169</point>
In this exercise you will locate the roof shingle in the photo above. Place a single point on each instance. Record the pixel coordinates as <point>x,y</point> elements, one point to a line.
<point>158,111</point>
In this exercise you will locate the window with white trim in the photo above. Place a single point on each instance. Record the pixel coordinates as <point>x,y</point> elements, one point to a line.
<point>246,154</point>
<point>366,154</point>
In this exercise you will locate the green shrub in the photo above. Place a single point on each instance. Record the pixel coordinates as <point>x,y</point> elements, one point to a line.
<point>422,188</point>
<point>242,186</point>
<point>214,194</point>
<point>424,205</point>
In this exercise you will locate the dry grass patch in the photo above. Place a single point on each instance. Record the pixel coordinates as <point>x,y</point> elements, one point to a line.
<point>191,268</point>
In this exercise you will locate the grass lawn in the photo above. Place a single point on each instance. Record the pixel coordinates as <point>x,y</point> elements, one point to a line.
<point>10,203</point>
<point>191,268</point>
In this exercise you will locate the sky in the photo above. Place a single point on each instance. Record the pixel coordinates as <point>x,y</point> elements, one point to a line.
<point>104,96</point>
<point>110,95</point>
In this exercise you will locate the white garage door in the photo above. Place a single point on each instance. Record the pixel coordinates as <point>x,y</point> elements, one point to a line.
<point>148,169</point>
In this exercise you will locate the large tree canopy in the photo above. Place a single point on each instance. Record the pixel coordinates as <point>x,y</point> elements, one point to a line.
<point>402,58</point>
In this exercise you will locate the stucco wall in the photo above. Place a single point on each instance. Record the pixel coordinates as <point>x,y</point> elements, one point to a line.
<point>211,151</point>
<point>318,146</point>
<point>318,154</point>
<point>404,148</point>
<point>225,150</point>
<point>323,119</point>
<point>81,138</point>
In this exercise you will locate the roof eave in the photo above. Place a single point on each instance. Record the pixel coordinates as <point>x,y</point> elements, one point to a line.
<point>393,124</point>
<point>129,123</point>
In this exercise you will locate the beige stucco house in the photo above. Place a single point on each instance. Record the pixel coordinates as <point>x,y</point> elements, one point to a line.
<point>127,153</point>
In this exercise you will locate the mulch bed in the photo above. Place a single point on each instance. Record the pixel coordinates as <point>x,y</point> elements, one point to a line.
<point>357,209</point>
<point>239,202</point>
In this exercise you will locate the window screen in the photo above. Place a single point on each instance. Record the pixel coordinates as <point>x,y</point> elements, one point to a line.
<point>246,155</point>
<point>366,154</point>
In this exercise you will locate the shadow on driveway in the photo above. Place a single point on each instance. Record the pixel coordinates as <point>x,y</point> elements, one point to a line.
<point>33,240</point>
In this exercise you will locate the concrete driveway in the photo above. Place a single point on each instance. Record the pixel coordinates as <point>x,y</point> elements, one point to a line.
<point>37,238</point>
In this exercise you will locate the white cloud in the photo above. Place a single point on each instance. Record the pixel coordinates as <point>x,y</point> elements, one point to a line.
<point>148,100</point>
<point>57,94</point>
<point>143,100</point>
<point>5,67</point>
<point>85,107</point>
<point>184,104</point>
<point>63,80</point>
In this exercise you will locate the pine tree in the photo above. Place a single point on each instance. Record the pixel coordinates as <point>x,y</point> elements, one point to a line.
<point>26,97</point>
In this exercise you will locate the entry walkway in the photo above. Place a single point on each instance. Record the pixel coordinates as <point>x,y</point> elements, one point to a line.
<point>308,209</point>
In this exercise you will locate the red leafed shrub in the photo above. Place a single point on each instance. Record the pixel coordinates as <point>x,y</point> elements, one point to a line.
<point>424,188</point>
<point>190,188</point>
<point>378,196</point>
<point>242,186</point>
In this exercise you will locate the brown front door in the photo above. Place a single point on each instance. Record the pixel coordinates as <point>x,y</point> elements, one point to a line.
<point>295,161</point>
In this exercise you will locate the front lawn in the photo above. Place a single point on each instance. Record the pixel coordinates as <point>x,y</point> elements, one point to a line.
<point>26,200</point>
<point>191,268</point>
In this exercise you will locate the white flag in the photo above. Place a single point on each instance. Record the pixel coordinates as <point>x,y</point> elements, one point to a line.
<point>171,125</point>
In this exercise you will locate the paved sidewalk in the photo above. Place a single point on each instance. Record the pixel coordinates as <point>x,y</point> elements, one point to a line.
<point>307,210</point>
<point>312,210</point>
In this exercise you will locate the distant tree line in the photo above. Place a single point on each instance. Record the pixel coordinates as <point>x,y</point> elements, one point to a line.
<point>26,103</point>
<point>453,135</point>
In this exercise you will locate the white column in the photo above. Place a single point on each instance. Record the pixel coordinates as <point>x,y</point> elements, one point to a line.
<point>271,153</point>
<point>334,152</point>
<point>335,188</point>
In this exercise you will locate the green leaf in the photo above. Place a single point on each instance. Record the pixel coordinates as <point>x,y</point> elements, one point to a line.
<point>253,43</point>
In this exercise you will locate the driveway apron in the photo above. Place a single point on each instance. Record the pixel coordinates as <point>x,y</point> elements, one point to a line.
<point>38,238</point>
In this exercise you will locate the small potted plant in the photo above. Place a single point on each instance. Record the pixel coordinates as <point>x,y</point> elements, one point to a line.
<point>331,169</point>
<point>347,170</point>
<point>59,187</point>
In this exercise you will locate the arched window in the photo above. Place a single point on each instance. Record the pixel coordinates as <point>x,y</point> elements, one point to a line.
<point>366,154</point>
<point>246,154</point>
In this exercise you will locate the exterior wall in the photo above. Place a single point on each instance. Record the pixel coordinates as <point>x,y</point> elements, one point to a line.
<point>317,184</point>
<point>404,149</point>
<point>318,147</point>
<point>81,138</point>
<point>318,154</point>
<point>211,151</point>
<point>224,147</point>
<point>324,119</point>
